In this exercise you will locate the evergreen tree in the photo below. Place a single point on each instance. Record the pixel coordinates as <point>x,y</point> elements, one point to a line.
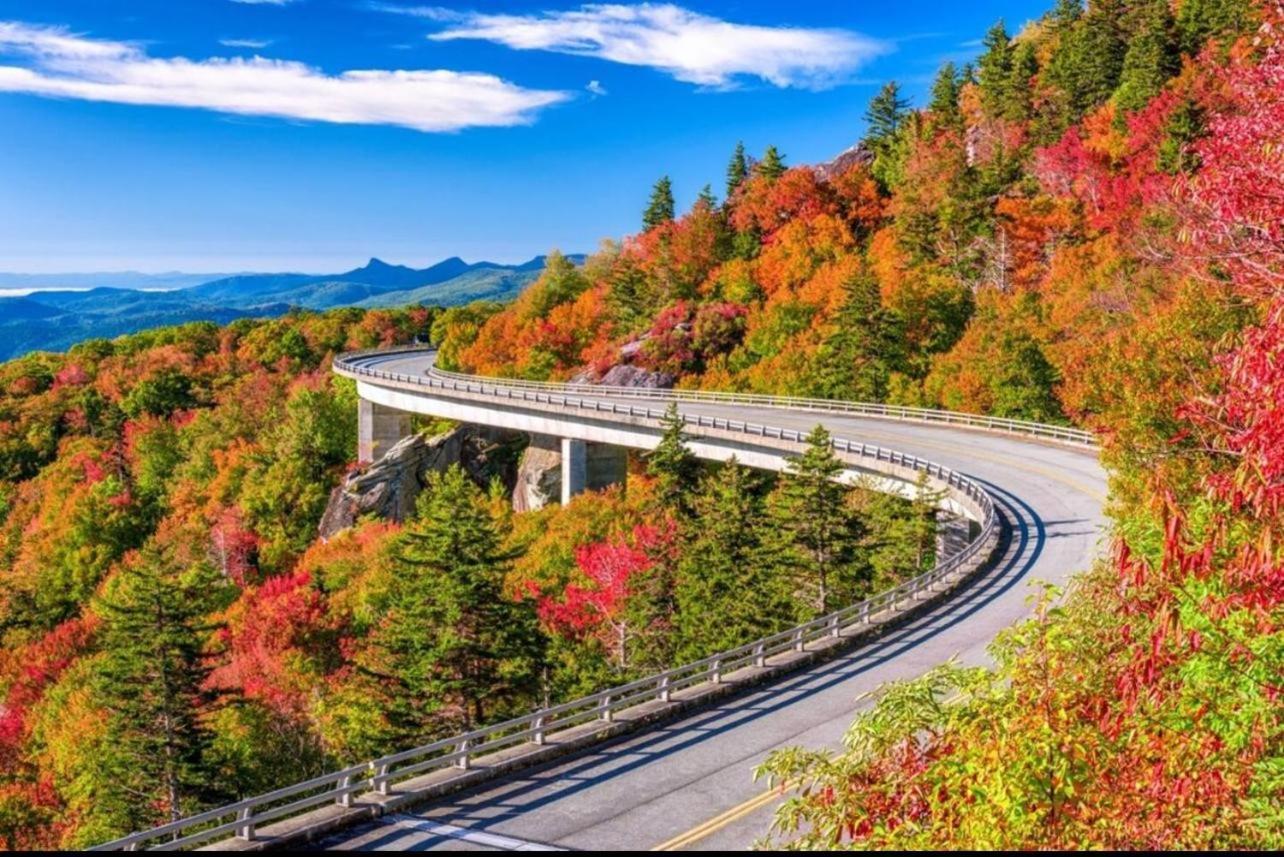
<point>660,209</point>
<point>726,570</point>
<point>1152,56</point>
<point>856,360</point>
<point>772,165</point>
<point>901,533</point>
<point>1184,127</point>
<point>1086,61</point>
<point>1103,43</point>
<point>995,69</point>
<point>151,683</point>
<point>883,117</point>
<point>816,532</point>
<point>944,105</point>
<point>627,296</point>
<point>1020,87</point>
<point>737,170</point>
<point>452,651</point>
<point>1201,20</point>
<point>673,466</point>
<point>707,198</point>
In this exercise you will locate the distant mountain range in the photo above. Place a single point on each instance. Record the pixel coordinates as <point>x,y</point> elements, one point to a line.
<point>63,309</point>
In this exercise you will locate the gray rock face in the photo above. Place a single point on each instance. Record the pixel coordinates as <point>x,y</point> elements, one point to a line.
<point>625,375</point>
<point>539,476</point>
<point>389,487</point>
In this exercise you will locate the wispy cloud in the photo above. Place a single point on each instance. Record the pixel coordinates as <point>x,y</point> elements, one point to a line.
<point>55,63</point>
<point>252,44</point>
<point>265,2</point>
<point>595,87</point>
<point>687,45</point>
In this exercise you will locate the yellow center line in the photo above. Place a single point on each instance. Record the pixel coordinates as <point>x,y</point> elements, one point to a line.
<point>700,831</point>
<point>718,822</point>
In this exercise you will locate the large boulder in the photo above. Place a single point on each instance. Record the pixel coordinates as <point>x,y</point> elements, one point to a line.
<point>389,487</point>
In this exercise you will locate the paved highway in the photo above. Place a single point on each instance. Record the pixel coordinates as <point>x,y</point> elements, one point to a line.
<point>688,783</point>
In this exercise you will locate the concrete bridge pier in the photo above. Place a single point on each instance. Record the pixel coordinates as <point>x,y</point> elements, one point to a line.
<point>378,429</point>
<point>591,466</point>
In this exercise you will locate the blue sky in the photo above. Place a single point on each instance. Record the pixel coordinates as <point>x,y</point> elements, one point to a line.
<point>225,135</point>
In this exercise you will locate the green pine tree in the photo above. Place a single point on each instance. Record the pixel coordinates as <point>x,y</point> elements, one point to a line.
<point>707,198</point>
<point>627,296</point>
<point>1152,56</point>
<point>737,170</point>
<point>944,104</point>
<point>883,118</point>
<point>1018,100</point>
<point>994,69</point>
<point>452,651</point>
<point>901,533</point>
<point>673,466</point>
<point>660,209</point>
<point>1201,20</point>
<point>726,569</point>
<point>772,165</point>
<point>817,533</point>
<point>151,684</point>
<point>855,361</point>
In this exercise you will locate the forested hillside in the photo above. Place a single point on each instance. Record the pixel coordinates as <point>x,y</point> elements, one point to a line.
<point>175,635</point>
<point>1085,226</point>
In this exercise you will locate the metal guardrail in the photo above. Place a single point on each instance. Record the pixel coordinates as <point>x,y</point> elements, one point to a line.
<point>378,776</point>
<point>900,413</point>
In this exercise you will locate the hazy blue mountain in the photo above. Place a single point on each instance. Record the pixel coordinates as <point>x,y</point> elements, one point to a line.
<point>377,283</point>
<point>28,325</point>
<point>54,319</point>
<point>23,309</point>
<point>118,279</point>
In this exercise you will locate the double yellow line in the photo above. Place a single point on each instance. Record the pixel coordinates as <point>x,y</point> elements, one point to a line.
<point>718,822</point>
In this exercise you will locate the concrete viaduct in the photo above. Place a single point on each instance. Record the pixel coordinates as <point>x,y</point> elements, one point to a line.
<point>665,762</point>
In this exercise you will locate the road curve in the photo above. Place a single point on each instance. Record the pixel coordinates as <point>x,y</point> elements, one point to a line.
<point>687,783</point>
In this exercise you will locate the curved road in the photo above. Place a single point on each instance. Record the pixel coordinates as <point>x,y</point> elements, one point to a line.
<point>688,783</point>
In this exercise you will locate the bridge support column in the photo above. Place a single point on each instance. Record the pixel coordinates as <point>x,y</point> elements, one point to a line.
<point>953,533</point>
<point>574,468</point>
<point>378,428</point>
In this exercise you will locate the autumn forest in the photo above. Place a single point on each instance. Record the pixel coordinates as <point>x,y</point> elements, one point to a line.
<point>1085,227</point>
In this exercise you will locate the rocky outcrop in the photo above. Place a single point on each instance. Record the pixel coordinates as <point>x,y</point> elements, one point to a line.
<point>389,487</point>
<point>539,475</point>
<point>625,373</point>
<point>858,155</point>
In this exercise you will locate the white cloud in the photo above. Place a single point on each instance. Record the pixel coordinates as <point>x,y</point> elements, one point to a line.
<point>689,46</point>
<point>58,64</point>
<point>252,44</point>
<point>596,87</point>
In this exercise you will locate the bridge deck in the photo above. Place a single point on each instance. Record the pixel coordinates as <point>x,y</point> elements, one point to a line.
<point>688,783</point>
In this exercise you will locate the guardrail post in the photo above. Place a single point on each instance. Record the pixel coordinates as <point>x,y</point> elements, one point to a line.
<point>799,643</point>
<point>864,613</point>
<point>664,689</point>
<point>604,709</point>
<point>344,797</point>
<point>463,762</point>
<point>833,627</point>
<point>715,674</point>
<point>759,659</point>
<point>381,779</point>
<point>538,725</point>
<point>245,830</point>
